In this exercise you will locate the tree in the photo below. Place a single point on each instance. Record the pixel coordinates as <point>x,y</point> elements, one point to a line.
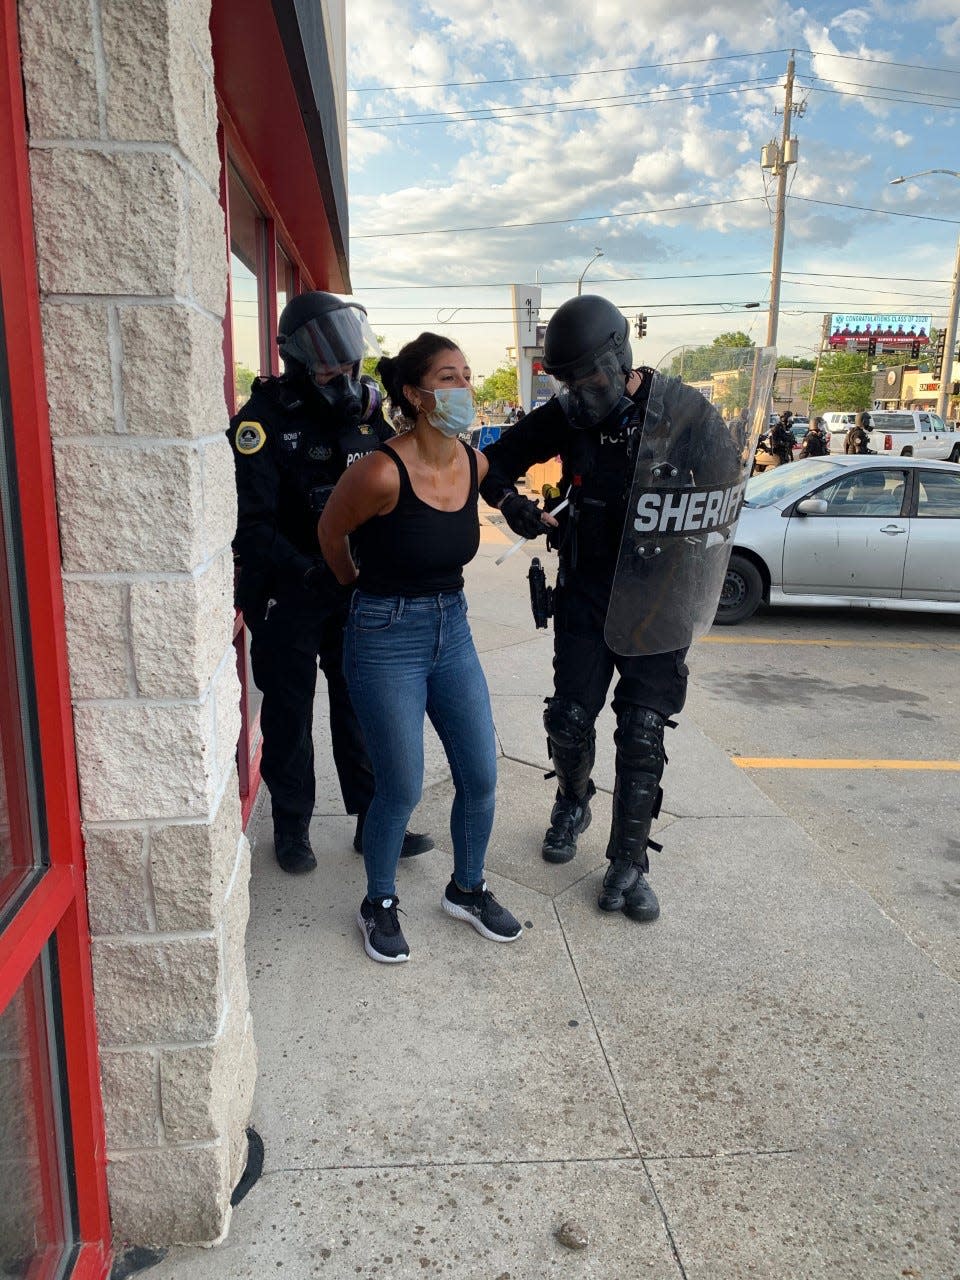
<point>368,364</point>
<point>844,383</point>
<point>243,381</point>
<point>737,338</point>
<point>698,364</point>
<point>499,387</point>
<point>795,362</point>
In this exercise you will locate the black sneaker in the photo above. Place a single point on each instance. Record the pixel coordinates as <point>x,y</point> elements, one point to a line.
<point>568,818</point>
<point>291,844</point>
<point>383,938</point>
<point>481,909</point>
<point>413,841</point>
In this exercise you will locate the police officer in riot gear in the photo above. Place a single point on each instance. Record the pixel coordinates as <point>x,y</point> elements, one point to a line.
<point>291,442</point>
<point>593,422</point>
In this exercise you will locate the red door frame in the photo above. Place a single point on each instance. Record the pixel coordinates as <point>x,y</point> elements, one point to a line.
<point>56,907</point>
<point>233,151</point>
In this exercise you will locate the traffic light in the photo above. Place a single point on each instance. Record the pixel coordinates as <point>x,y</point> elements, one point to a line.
<point>914,350</point>
<point>641,326</point>
<point>872,347</point>
<point>937,366</point>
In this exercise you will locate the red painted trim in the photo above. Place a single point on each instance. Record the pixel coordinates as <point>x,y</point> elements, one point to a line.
<point>52,1228</point>
<point>93,1263</point>
<point>229,382</point>
<point>27,933</point>
<point>246,167</point>
<point>59,900</point>
<point>256,94</point>
<point>250,799</point>
<point>273,351</point>
<point>83,1076</point>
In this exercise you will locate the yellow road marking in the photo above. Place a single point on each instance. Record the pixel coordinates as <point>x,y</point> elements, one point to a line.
<point>773,762</point>
<point>827,643</point>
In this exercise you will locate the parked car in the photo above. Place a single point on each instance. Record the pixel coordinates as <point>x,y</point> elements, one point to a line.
<point>854,530</point>
<point>914,433</point>
<point>838,424</point>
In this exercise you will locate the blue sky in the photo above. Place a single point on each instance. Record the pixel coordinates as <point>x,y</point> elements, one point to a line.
<point>604,112</point>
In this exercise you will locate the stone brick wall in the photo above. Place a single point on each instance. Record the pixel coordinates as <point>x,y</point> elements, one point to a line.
<point>132,264</point>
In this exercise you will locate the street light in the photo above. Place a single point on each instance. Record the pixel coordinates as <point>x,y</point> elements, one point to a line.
<point>895,182</point>
<point>598,254</point>
<point>950,333</point>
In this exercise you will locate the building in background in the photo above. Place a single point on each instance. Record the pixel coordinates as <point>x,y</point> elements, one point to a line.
<point>169,175</point>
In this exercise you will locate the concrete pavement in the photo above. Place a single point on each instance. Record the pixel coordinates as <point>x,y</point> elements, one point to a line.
<point>764,1083</point>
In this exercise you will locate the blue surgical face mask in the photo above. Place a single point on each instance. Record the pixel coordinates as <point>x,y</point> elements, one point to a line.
<point>453,409</point>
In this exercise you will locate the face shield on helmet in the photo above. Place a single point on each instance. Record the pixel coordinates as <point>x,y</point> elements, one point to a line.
<point>328,343</point>
<point>330,347</point>
<point>590,396</point>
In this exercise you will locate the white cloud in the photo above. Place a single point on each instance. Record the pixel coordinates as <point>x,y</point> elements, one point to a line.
<point>558,168</point>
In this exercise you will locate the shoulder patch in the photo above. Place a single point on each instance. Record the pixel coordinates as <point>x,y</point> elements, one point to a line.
<point>250,438</point>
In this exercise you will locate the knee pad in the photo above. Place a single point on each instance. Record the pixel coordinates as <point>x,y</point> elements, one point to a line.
<point>639,740</point>
<point>567,722</point>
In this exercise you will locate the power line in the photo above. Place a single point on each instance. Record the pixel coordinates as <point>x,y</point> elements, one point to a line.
<point>555,222</point>
<point>880,97</point>
<point>701,275</point>
<point>881,62</point>
<point>892,213</point>
<point>523,113</point>
<point>470,112</point>
<point>650,311</point>
<point>564,75</point>
<point>639,213</point>
<point>859,84</point>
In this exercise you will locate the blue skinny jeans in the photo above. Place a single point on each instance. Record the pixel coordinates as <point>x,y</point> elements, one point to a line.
<point>404,657</point>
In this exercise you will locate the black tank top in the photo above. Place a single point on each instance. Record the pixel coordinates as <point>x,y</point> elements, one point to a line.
<point>416,549</point>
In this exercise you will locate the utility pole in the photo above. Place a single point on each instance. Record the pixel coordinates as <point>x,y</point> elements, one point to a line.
<point>777,158</point>
<point>950,341</point>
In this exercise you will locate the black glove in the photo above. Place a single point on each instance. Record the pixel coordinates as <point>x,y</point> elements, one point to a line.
<point>522,515</point>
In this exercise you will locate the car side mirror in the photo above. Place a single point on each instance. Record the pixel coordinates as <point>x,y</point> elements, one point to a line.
<point>812,507</point>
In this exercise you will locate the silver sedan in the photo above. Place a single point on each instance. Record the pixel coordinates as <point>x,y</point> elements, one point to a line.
<point>856,530</point>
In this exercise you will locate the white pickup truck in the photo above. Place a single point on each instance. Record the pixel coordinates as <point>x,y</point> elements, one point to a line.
<point>914,433</point>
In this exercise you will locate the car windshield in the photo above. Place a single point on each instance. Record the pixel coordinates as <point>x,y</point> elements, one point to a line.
<point>781,482</point>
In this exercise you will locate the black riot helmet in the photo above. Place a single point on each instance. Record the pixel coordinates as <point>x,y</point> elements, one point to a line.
<point>586,349</point>
<point>326,338</point>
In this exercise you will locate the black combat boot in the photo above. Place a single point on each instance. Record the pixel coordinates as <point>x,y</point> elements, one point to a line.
<point>571,742</point>
<point>568,817</point>
<point>636,802</point>
<point>622,876</point>
<point>291,843</point>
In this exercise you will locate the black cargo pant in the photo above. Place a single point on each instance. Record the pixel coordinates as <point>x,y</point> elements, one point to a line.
<point>287,646</point>
<point>583,663</point>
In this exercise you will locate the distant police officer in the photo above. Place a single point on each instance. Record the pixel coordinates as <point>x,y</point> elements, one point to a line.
<point>292,441</point>
<point>592,423</point>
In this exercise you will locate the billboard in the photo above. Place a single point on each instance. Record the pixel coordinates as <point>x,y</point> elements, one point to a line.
<point>891,331</point>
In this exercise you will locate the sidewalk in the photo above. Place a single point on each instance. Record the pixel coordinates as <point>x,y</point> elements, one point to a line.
<point>764,1083</point>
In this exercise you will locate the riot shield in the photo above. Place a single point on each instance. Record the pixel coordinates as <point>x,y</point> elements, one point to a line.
<point>692,465</point>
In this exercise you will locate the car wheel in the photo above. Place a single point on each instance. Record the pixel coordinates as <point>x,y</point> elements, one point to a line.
<point>741,593</point>
<point>954,454</point>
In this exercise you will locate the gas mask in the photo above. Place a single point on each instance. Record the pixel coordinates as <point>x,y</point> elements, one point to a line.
<point>354,400</point>
<point>596,397</point>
